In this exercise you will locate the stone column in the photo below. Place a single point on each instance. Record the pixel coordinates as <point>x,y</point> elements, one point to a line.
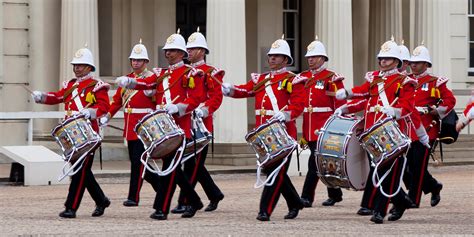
<point>385,20</point>
<point>79,26</point>
<point>330,15</point>
<point>226,41</point>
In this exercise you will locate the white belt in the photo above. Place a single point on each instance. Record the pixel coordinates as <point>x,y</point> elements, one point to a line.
<point>70,113</point>
<point>264,112</point>
<point>421,110</point>
<point>375,108</point>
<point>137,110</point>
<point>317,109</point>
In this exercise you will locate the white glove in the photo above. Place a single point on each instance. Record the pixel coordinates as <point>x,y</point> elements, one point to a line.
<point>171,108</point>
<point>338,112</point>
<point>341,94</point>
<point>123,81</point>
<point>103,121</point>
<point>86,113</point>
<point>425,140</point>
<point>226,88</point>
<point>37,96</point>
<point>389,111</point>
<point>470,114</point>
<point>199,113</point>
<point>280,116</point>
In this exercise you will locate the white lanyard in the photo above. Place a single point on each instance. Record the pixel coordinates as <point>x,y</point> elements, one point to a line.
<point>165,84</point>
<point>269,91</point>
<point>77,100</point>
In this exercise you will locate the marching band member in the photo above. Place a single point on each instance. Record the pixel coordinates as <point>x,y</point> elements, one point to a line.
<point>182,83</point>
<point>433,100</point>
<point>86,95</point>
<point>467,115</point>
<point>320,103</point>
<point>385,93</point>
<point>136,104</point>
<point>194,167</point>
<point>405,57</point>
<point>272,91</point>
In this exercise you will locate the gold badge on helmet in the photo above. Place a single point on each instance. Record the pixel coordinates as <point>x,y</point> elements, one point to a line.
<point>170,39</point>
<point>137,49</point>
<point>192,38</point>
<point>276,45</point>
<point>417,51</point>
<point>311,46</point>
<point>78,53</point>
<point>385,47</point>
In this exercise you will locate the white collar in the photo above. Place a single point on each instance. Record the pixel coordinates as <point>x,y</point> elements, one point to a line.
<point>198,63</point>
<point>320,69</point>
<point>80,79</point>
<point>279,71</point>
<point>388,73</point>
<point>176,65</point>
<point>423,74</point>
<point>141,74</point>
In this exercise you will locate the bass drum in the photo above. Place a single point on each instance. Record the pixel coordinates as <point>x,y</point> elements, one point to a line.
<point>340,159</point>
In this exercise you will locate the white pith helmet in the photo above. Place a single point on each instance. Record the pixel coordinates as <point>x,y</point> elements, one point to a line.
<point>176,41</point>
<point>390,49</point>
<point>405,53</point>
<point>197,40</point>
<point>139,52</point>
<point>280,46</point>
<point>421,54</point>
<point>316,48</point>
<point>83,56</point>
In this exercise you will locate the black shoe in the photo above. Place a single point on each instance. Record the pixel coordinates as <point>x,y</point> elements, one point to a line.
<point>363,211</point>
<point>130,203</point>
<point>158,215</point>
<point>331,202</point>
<point>392,209</point>
<point>292,214</point>
<point>262,216</point>
<point>397,213</point>
<point>68,213</point>
<point>377,218</point>
<point>306,202</point>
<point>99,210</point>
<point>191,210</point>
<point>212,205</point>
<point>179,209</point>
<point>435,196</point>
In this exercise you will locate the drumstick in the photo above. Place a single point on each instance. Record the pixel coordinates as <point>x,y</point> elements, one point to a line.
<point>391,104</point>
<point>175,98</point>
<point>26,88</point>
<point>286,106</point>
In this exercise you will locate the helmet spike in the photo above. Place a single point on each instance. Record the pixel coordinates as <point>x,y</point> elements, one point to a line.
<point>422,42</point>
<point>392,38</point>
<point>140,41</point>
<point>283,36</point>
<point>316,38</point>
<point>85,45</point>
<point>197,29</point>
<point>177,32</point>
<point>403,42</point>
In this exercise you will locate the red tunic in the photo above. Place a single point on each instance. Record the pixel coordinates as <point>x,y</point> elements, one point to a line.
<point>395,85</point>
<point>428,92</point>
<point>135,106</point>
<point>292,98</point>
<point>320,87</point>
<point>212,92</point>
<point>183,81</point>
<point>88,91</point>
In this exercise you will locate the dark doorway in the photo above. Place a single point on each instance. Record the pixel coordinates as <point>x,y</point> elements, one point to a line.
<point>189,15</point>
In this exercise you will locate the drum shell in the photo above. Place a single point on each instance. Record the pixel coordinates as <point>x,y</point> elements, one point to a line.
<point>201,136</point>
<point>76,136</point>
<point>384,142</point>
<point>271,142</point>
<point>340,160</point>
<point>160,134</point>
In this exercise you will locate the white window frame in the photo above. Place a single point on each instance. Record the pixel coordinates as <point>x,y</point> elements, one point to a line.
<point>470,14</point>
<point>296,39</point>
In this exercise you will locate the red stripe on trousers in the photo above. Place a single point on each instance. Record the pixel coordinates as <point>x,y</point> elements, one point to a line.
<point>392,183</point>
<point>168,193</point>
<point>196,166</point>
<point>422,175</point>
<point>276,192</point>
<point>139,184</point>
<point>81,183</point>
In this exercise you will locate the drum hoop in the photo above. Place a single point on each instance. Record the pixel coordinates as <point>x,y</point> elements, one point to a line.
<point>65,122</point>
<point>146,117</point>
<point>271,157</point>
<point>376,126</point>
<point>254,131</point>
<point>154,144</point>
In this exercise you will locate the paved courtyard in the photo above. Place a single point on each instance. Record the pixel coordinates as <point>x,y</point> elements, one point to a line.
<point>34,211</point>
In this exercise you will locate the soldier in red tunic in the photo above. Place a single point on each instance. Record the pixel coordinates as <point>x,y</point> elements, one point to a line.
<point>136,104</point>
<point>385,93</point>
<point>468,114</point>
<point>273,91</point>
<point>86,95</point>
<point>179,91</point>
<point>194,167</point>
<point>320,86</point>
<point>433,100</point>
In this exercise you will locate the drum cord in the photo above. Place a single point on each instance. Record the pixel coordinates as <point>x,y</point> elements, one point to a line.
<point>379,184</point>
<point>175,162</point>
<point>272,176</point>
<point>79,162</point>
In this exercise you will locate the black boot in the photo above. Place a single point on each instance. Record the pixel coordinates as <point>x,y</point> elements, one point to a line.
<point>158,215</point>
<point>292,213</point>
<point>99,210</point>
<point>306,202</point>
<point>363,211</point>
<point>130,203</point>
<point>331,202</point>
<point>179,209</point>
<point>68,213</point>
<point>377,218</point>
<point>263,216</point>
<point>435,195</point>
<point>191,210</point>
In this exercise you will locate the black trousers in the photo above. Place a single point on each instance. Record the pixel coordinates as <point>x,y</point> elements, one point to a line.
<point>135,150</point>
<point>312,179</point>
<point>195,171</point>
<point>376,200</point>
<point>83,179</point>
<point>282,185</point>
<point>167,186</point>
<point>419,179</point>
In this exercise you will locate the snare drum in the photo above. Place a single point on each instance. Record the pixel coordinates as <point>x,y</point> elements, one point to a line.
<point>159,133</point>
<point>340,160</point>
<point>271,142</point>
<point>201,137</point>
<point>75,136</point>
<point>384,142</point>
